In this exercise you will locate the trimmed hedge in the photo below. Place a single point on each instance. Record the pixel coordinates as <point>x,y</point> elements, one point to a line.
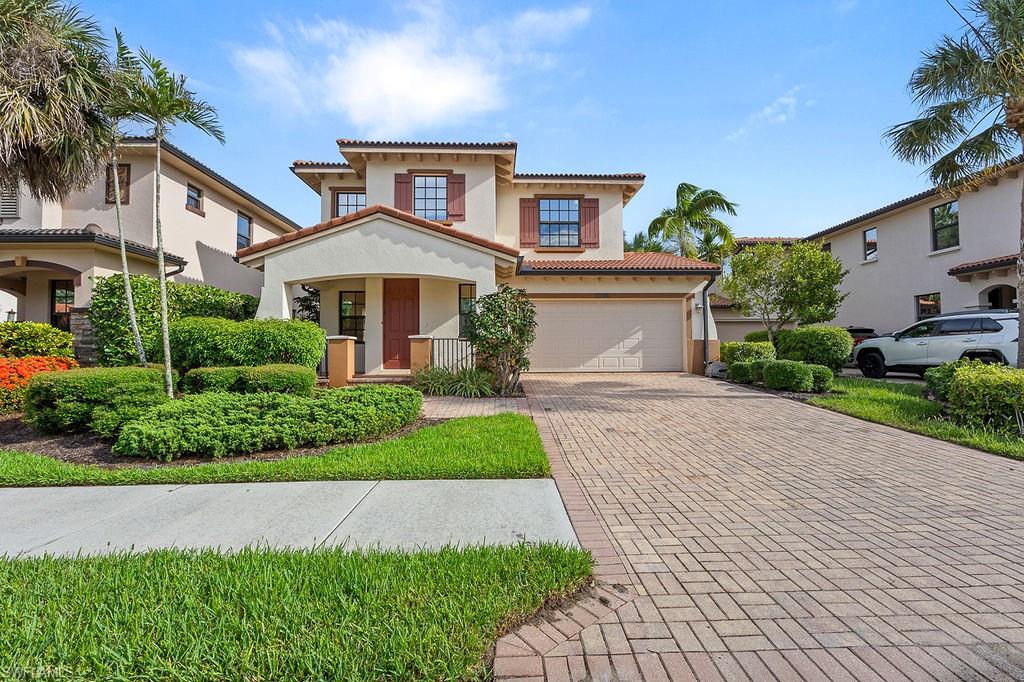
<point>937,379</point>
<point>757,337</point>
<point>788,375</point>
<point>743,351</point>
<point>816,345</point>
<point>740,372</point>
<point>293,379</point>
<point>108,313</point>
<point>823,378</point>
<point>987,396</point>
<point>216,342</point>
<point>34,339</point>
<point>98,398</point>
<point>757,371</point>
<point>219,424</point>
<point>15,374</point>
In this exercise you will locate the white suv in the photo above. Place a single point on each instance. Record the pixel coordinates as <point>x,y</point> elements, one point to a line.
<point>987,335</point>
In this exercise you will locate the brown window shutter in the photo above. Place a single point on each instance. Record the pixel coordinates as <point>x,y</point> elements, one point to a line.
<point>528,219</point>
<point>456,196</point>
<point>590,229</point>
<point>403,192</point>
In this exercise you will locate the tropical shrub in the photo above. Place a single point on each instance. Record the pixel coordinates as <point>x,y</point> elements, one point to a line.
<point>502,327</point>
<point>468,382</point>
<point>739,372</point>
<point>216,342</point>
<point>823,378</point>
<point>293,379</point>
<point>816,345</point>
<point>987,396</point>
<point>219,424</point>
<point>108,313</point>
<point>937,379</point>
<point>59,402</point>
<point>34,339</point>
<point>760,335</point>
<point>744,351</point>
<point>788,375</point>
<point>16,372</point>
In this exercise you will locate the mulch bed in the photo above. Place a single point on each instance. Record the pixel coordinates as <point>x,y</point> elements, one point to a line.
<point>88,448</point>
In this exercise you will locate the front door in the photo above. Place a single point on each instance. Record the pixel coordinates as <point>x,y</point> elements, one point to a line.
<point>401,320</point>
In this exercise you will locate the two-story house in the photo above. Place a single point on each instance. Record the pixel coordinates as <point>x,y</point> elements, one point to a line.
<point>411,232</point>
<point>50,252</point>
<point>930,253</point>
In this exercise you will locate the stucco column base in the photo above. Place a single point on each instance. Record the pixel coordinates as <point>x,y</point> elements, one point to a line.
<point>697,354</point>
<point>341,360</point>
<point>421,352</point>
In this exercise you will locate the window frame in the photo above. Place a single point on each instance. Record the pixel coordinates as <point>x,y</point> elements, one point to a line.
<point>238,235</point>
<point>338,191</point>
<point>464,314</point>
<point>360,327</point>
<point>201,198</point>
<point>935,229</point>
<point>125,184</point>
<point>578,198</point>
<point>65,315</point>
<point>435,175</point>
<point>873,256</point>
<point>917,305</point>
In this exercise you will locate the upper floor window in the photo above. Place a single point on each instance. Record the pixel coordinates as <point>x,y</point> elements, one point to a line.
<point>346,202</point>
<point>124,182</point>
<point>194,199</point>
<point>928,305</point>
<point>871,244</point>
<point>559,222</point>
<point>946,226</point>
<point>244,230</point>
<point>9,201</point>
<point>430,196</point>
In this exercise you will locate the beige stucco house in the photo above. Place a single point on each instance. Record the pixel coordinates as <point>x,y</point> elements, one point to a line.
<point>413,231</point>
<point>50,252</point>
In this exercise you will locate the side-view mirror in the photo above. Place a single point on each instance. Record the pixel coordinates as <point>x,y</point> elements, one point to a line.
<point>896,336</point>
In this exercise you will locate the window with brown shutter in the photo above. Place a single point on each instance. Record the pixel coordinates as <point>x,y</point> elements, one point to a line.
<point>528,228</point>
<point>456,196</point>
<point>403,192</point>
<point>124,180</point>
<point>590,229</point>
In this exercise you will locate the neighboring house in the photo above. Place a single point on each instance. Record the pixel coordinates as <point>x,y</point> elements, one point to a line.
<point>50,252</point>
<point>412,232</point>
<point>731,324</point>
<point>930,253</point>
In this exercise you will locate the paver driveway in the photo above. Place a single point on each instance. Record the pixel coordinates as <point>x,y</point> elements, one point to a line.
<point>760,537</point>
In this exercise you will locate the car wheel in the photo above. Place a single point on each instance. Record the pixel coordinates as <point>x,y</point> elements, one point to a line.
<point>872,365</point>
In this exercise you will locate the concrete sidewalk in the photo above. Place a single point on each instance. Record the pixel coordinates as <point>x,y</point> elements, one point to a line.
<point>389,514</point>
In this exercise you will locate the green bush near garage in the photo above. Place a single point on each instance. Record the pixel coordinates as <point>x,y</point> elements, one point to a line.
<point>816,345</point>
<point>216,342</point>
<point>938,379</point>
<point>743,351</point>
<point>28,339</point>
<point>294,379</point>
<point>740,372</point>
<point>987,396</point>
<point>823,377</point>
<point>759,336</point>
<point>788,375</point>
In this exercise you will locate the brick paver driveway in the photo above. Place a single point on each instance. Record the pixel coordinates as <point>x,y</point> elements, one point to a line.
<point>759,537</point>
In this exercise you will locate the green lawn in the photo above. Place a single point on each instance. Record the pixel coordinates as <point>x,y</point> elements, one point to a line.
<point>500,446</point>
<point>905,407</point>
<point>263,615</point>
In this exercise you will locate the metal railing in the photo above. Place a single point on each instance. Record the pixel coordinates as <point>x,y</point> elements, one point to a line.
<point>452,354</point>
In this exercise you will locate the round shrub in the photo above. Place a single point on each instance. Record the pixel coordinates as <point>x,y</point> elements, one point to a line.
<point>817,345</point>
<point>293,379</point>
<point>16,372</point>
<point>216,342</point>
<point>34,339</point>
<point>760,335</point>
<point>788,375</point>
<point>757,370</point>
<point>744,351</point>
<point>937,379</point>
<point>219,424</point>
<point>823,378</point>
<point>987,396</point>
<point>739,372</point>
<point>202,342</point>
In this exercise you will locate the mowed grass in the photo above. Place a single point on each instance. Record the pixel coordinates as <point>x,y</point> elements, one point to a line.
<point>499,446</point>
<point>265,615</point>
<point>905,407</point>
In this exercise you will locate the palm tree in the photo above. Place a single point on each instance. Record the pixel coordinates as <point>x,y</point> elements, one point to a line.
<point>163,99</point>
<point>643,242</point>
<point>971,93</point>
<point>53,133</point>
<point>125,74</point>
<point>691,227</point>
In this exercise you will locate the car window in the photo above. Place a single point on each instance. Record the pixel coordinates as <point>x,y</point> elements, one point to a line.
<point>918,330</point>
<point>959,326</point>
<point>990,326</point>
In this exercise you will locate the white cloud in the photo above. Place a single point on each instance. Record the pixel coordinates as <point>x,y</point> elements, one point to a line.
<point>781,110</point>
<point>846,6</point>
<point>429,71</point>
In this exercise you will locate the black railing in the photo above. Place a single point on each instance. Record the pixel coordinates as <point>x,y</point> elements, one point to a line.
<point>453,354</point>
<point>321,370</point>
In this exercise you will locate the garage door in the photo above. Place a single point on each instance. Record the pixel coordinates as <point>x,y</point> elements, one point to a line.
<point>608,335</point>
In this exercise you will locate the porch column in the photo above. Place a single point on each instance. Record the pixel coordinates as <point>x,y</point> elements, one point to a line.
<point>421,352</point>
<point>274,301</point>
<point>341,360</point>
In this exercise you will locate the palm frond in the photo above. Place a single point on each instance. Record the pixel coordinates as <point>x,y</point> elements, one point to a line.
<point>974,155</point>
<point>710,201</point>
<point>955,69</point>
<point>924,138</point>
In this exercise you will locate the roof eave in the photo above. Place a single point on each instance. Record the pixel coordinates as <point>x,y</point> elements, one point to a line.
<point>649,272</point>
<point>99,240</point>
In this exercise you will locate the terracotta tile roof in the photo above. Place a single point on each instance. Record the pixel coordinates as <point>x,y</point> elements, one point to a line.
<point>579,176</point>
<point>346,142</point>
<point>369,211</point>
<point>302,163</point>
<point>632,262</point>
<point>89,233</point>
<point>753,241</point>
<point>986,264</point>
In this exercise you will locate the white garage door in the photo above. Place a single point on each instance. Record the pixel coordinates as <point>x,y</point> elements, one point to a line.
<point>608,335</point>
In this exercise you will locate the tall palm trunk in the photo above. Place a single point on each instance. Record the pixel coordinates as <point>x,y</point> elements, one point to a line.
<point>161,273</point>
<point>132,321</point>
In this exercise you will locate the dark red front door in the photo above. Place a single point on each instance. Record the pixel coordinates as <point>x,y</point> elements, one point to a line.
<point>401,320</point>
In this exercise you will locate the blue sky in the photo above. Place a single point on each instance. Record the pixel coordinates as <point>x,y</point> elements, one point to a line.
<point>780,105</point>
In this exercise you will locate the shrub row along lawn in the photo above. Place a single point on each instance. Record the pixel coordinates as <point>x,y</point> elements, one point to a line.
<point>499,446</point>
<point>905,407</point>
<point>260,614</point>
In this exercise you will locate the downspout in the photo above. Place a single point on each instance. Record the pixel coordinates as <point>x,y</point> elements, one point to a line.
<point>178,270</point>
<point>704,317</point>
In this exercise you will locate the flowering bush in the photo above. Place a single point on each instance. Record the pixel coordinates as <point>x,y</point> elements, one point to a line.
<point>15,373</point>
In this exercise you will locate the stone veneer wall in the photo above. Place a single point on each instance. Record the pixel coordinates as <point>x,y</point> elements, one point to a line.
<point>85,340</point>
